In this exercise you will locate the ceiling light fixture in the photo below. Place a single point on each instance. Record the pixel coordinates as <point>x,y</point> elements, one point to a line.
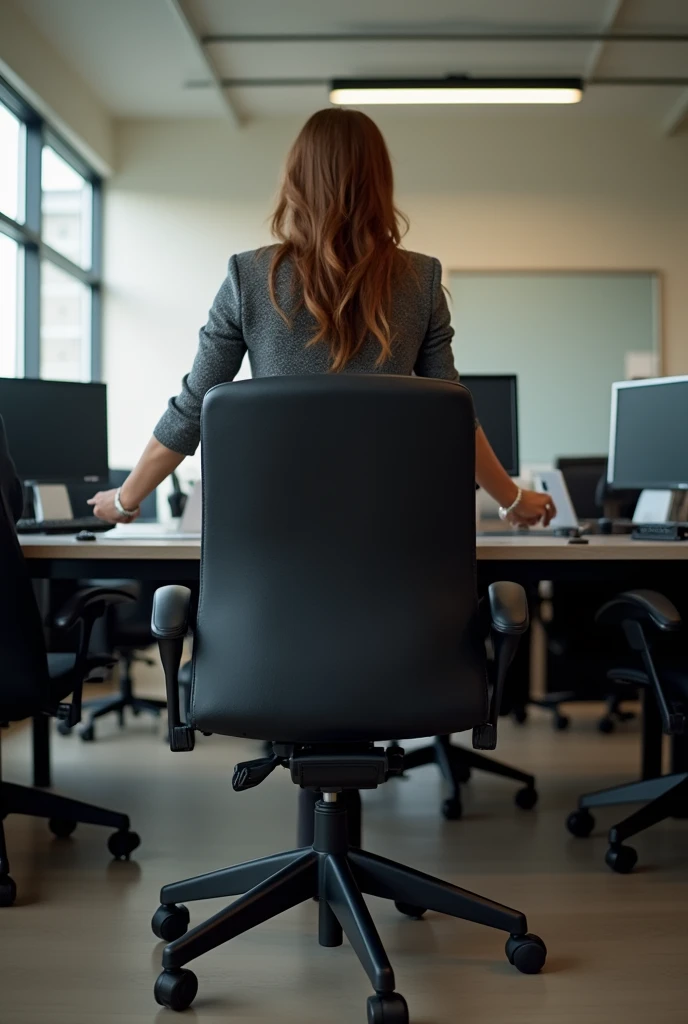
<point>363,92</point>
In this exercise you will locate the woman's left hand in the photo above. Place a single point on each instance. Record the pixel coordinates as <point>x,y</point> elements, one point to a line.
<point>103,504</point>
<point>532,509</point>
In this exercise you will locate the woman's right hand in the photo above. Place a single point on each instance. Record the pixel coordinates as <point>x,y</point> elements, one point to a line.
<point>532,509</point>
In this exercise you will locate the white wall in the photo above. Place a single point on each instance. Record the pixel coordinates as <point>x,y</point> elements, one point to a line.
<point>539,192</point>
<point>38,72</point>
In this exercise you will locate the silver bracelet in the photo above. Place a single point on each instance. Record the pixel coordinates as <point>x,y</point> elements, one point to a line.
<point>504,513</point>
<point>120,507</point>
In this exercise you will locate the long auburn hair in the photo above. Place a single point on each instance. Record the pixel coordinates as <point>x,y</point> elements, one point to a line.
<point>337,225</point>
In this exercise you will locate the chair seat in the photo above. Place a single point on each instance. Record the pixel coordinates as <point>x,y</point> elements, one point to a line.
<point>674,676</point>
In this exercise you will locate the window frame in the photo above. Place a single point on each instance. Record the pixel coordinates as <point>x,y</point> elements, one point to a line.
<point>39,133</point>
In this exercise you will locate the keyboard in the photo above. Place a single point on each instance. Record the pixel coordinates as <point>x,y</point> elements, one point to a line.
<point>90,523</point>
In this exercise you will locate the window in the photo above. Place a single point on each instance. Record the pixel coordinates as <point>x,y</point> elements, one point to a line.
<point>50,248</point>
<point>9,303</point>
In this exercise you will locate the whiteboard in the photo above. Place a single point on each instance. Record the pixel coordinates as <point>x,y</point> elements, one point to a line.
<point>567,337</point>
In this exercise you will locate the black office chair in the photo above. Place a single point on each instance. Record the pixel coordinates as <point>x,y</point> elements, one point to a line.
<point>337,606</point>
<point>126,628</point>
<point>579,655</point>
<point>665,710</point>
<point>32,684</point>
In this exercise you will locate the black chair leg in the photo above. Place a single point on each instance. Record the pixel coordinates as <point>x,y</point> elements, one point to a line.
<point>631,792</point>
<point>293,884</point>
<point>658,810</point>
<point>345,899</point>
<point>378,876</point>
<point>39,804</point>
<point>233,881</point>
<point>472,759</point>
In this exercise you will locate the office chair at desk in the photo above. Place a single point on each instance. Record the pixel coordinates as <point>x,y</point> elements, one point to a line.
<point>578,653</point>
<point>126,629</point>
<point>337,605</point>
<point>33,683</point>
<point>664,686</point>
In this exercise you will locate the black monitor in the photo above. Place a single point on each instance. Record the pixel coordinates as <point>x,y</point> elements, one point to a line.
<point>648,442</point>
<point>496,406</point>
<point>56,430</point>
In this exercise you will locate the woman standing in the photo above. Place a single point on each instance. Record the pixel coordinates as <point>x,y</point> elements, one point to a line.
<point>335,294</point>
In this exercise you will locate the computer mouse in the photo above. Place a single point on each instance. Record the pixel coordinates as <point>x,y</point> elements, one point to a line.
<point>578,540</point>
<point>85,535</point>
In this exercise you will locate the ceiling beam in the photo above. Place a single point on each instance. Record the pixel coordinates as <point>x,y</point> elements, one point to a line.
<point>677,116</point>
<point>451,37</point>
<point>598,47</point>
<point>180,12</point>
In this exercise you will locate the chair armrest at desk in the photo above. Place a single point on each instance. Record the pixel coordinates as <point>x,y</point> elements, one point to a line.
<point>509,620</point>
<point>639,606</point>
<point>89,603</point>
<point>632,611</point>
<point>169,625</point>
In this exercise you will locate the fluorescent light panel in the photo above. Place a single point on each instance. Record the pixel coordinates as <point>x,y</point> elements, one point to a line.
<point>443,91</point>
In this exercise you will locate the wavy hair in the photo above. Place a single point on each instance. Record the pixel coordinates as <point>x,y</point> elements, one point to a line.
<point>336,224</point>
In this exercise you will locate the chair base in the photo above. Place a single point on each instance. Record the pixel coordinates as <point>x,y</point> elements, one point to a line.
<point>124,700</point>
<point>63,815</point>
<point>337,875</point>
<point>606,724</point>
<point>667,796</point>
<point>456,764</point>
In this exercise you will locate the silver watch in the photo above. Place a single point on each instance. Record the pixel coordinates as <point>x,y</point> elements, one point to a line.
<point>504,513</point>
<point>126,511</point>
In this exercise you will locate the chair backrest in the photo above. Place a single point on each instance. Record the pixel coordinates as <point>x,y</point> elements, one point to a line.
<point>338,596</point>
<point>24,683</point>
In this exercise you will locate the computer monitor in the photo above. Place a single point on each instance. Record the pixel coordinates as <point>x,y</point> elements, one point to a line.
<point>56,430</point>
<point>648,441</point>
<point>496,406</point>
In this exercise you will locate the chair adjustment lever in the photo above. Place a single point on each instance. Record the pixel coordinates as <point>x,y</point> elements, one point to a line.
<point>248,774</point>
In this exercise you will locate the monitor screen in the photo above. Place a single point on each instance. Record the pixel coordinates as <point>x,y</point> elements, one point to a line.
<point>648,444</point>
<point>56,430</point>
<point>496,406</point>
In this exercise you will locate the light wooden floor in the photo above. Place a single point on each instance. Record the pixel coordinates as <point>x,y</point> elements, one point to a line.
<point>77,947</point>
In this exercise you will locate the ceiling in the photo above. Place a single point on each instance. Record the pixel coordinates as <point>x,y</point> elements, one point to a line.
<point>151,58</point>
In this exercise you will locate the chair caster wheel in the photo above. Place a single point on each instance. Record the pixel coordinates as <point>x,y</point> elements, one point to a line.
<point>561,723</point>
<point>527,953</point>
<point>621,859</point>
<point>387,1009</point>
<point>526,798</point>
<point>176,989</point>
<point>61,828</point>
<point>64,728</point>
<point>8,891</point>
<point>410,910</point>
<point>519,715</point>
<point>122,844</point>
<point>170,921</point>
<point>606,725</point>
<point>88,734</point>
<point>452,809</point>
<point>580,823</point>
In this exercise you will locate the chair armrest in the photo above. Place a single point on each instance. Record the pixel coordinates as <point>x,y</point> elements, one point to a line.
<point>640,605</point>
<point>169,625</point>
<point>509,620</point>
<point>633,611</point>
<point>90,602</point>
<point>170,616</point>
<point>508,608</point>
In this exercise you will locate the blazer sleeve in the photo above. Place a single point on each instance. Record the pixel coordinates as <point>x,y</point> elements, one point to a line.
<point>435,358</point>
<point>11,490</point>
<point>221,349</point>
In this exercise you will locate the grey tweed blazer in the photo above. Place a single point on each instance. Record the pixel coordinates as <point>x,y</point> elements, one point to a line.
<point>243,319</point>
